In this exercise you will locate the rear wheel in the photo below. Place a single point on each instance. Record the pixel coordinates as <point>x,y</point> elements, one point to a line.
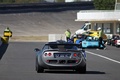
<point>117,46</point>
<point>39,69</point>
<point>81,69</point>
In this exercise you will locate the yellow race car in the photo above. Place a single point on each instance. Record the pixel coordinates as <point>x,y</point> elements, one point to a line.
<point>95,34</point>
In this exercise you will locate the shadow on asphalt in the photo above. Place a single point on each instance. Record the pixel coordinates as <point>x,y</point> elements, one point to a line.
<point>3,49</point>
<point>74,72</point>
<point>95,72</point>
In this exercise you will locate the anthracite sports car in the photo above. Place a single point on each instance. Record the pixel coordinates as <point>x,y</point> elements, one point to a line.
<point>60,55</point>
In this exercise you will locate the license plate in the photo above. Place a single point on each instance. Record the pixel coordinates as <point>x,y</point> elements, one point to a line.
<point>56,55</point>
<point>62,55</point>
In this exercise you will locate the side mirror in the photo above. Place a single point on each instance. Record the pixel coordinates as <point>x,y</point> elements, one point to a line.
<point>36,49</point>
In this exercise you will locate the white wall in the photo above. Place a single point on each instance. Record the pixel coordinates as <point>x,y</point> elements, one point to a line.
<point>69,0</point>
<point>54,37</point>
<point>86,0</point>
<point>98,15</point>
<point>50,0</point>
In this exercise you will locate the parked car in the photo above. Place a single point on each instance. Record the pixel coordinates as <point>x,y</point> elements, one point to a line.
<point>91,42</point>
<point>95,34</point>
<point>117,42</point>
<point>114,41</point>
<point>86,29</point>
<point>60,55</point>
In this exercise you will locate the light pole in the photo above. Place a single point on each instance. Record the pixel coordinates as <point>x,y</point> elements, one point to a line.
<point>115,4</point>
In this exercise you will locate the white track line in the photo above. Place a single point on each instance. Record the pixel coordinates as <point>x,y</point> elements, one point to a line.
<point>104,57</point>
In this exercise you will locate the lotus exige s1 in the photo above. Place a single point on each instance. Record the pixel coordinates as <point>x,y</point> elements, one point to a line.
<point>60,55</point>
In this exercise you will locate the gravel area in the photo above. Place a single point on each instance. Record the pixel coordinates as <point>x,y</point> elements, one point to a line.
<point>39,24</point>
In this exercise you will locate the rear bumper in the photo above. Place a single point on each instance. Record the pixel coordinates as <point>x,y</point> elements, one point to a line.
<point>62,65</point>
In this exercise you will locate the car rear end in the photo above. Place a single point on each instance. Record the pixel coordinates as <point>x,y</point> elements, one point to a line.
<point>61,56</point>
<point>117,43</point>
<point>62,59</point>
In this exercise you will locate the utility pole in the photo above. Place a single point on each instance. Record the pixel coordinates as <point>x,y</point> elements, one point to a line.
<point>115,4</point>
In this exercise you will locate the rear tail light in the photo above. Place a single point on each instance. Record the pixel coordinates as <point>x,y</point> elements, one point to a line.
<point>75,55</point>
<point>47,54</point>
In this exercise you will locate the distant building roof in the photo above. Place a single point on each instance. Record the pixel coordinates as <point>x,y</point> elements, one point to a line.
<point>98,15</point>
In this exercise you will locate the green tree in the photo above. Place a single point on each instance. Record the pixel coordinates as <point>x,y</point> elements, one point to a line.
<point>104,4</point>
<point>7,1</point>
<point>26,1</point>
<point>1,1</point>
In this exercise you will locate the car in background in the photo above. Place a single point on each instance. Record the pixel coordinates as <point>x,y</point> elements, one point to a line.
<point>60,55</point>
<point>96,34</point>
<point>86,30</point>
<point>117,42</point>
<point>91,42</point>
<point>114,41</point>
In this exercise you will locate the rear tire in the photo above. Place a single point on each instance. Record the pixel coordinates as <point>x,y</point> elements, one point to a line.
<point>39,69</point>
<point>81,69</point>
<point>117,46</point>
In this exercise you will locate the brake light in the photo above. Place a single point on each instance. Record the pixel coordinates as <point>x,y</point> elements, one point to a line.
<point>49,54</point>
<point>75,55</point>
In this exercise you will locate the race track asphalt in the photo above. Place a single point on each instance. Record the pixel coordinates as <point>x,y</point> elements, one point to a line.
<point>17,62</point>
<point>17,59</point>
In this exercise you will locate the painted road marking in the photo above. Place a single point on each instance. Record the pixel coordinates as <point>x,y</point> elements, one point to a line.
<point>104,57</point>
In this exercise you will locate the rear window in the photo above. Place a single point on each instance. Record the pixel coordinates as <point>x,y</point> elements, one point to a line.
<point>60,46</point>
<point>91,39</point>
